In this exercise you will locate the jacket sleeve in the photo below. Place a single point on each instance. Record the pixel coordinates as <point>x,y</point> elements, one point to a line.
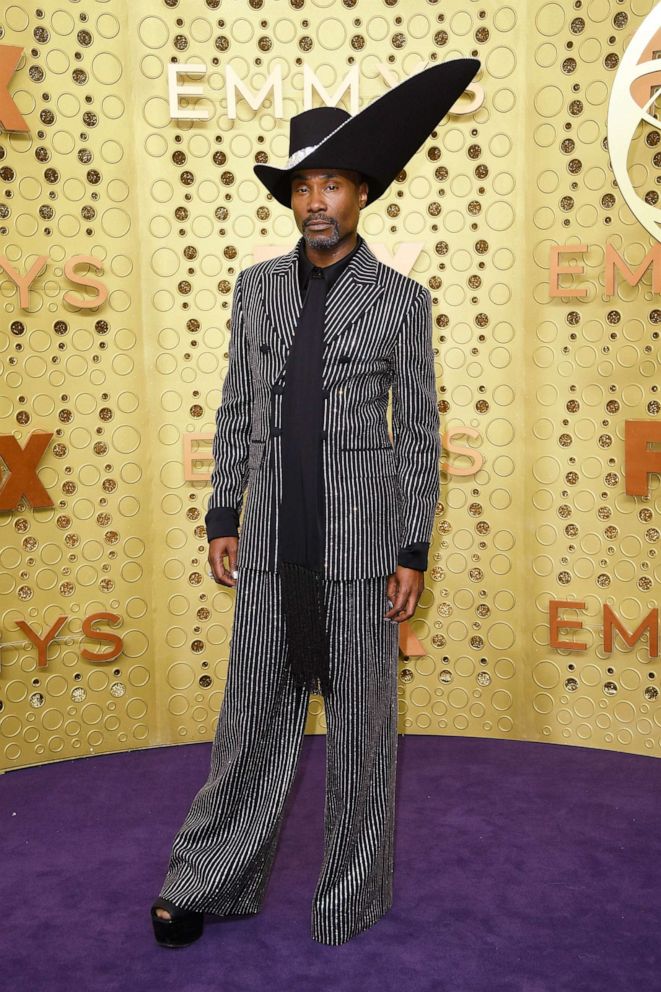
<point>414,556</point>
<point>231,443</point>
<point>222,521</point>
<point>416,423</point>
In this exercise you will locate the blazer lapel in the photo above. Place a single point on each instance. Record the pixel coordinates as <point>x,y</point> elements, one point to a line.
<point>355,290</point>
<point>282,302</point>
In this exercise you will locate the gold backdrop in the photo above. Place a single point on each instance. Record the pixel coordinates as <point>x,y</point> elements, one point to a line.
<point>126,373</point>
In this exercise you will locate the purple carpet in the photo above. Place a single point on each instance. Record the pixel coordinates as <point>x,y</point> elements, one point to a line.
<point>519,867</point>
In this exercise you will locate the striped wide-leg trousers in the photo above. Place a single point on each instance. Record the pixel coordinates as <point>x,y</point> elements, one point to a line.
<point>223,853</point>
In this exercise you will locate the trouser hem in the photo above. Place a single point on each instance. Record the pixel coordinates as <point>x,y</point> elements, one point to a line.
<point>213,907</point>
<point>324,932</point>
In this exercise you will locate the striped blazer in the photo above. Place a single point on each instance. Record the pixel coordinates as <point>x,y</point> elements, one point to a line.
<point>379,495</point>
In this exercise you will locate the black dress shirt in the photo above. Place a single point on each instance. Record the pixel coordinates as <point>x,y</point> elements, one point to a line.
<point>224,521</point>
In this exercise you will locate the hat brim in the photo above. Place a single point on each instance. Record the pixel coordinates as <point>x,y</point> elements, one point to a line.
<point>380,139</point>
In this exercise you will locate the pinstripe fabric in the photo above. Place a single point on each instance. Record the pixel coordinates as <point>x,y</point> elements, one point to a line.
<point>379,496</point>
<point>222,855</point>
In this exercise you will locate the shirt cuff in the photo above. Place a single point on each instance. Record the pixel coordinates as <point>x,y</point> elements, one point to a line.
<point>221,521</point>
<point>414,555</point>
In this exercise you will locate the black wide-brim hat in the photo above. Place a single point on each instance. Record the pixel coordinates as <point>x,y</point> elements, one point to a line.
<point>380,139</point>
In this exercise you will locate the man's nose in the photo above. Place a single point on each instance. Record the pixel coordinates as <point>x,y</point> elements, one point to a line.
<point>316,202</point>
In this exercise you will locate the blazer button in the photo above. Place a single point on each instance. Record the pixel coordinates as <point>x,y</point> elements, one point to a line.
<point>264,348</point>
<point>325,393</point>
<point>276,431</point>
<point>324,435</point>
<point>278,389</point>
<point>345,358</point>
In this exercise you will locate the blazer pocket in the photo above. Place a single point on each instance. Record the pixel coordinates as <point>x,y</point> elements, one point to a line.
<point>373,439</point>
<point>367,447</point>
<point>366,461</point>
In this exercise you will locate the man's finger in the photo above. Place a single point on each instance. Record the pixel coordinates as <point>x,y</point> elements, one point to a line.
<point>411,603</point>
<point>391,589</point>
<point>220,573</point>
<point>217,571</point>
<point>404,607</point>
<point>397,604</point>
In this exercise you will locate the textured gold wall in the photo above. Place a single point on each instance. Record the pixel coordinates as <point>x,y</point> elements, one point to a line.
<point>173,211</point>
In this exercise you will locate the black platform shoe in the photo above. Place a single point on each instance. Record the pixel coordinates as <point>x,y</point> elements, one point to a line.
<point>183,928</point>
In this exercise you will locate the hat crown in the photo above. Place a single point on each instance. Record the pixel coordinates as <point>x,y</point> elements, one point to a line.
<point>377,141</point>
<point>312,126</point>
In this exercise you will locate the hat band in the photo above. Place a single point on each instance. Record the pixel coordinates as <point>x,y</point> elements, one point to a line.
<point>300,154</point>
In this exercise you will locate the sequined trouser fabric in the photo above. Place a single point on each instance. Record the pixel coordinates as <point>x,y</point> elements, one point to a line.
<point>223,853</point>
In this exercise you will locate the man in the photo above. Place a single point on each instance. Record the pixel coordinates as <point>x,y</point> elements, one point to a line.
<point>336,527</point>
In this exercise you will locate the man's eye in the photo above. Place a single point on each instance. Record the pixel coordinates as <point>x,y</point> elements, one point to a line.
<point>298,189</point>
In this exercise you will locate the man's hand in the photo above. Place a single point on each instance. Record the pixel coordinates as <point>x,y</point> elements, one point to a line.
<point>404,588</point>
<point>220,548</point>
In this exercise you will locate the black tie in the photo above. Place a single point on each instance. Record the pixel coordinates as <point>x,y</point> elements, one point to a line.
<point>301,532</point>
